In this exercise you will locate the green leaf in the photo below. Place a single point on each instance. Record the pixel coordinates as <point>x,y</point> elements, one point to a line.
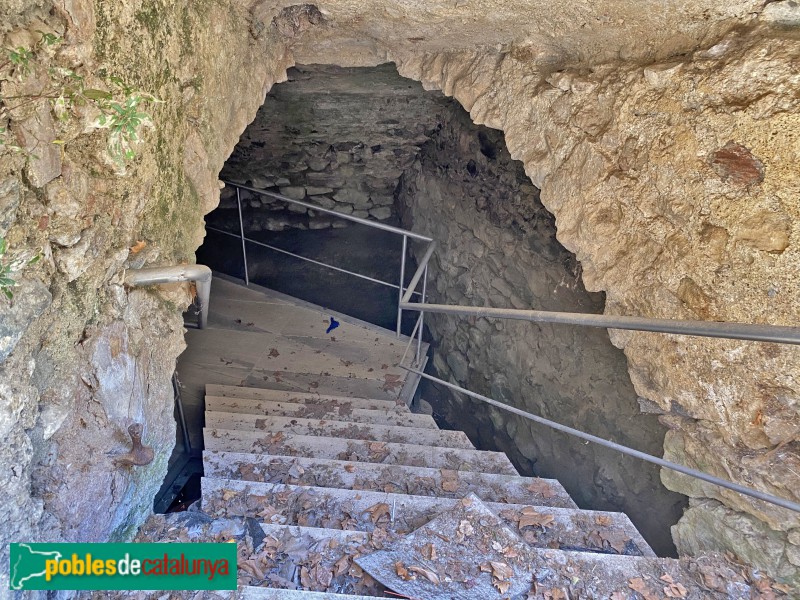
<point>93,94</point>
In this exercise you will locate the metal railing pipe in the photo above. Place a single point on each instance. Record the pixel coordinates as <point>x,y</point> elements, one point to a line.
<point>759,495</point>
<point>200,274</point>
<point>367,222</point>
<point>417,275</point>
<point>422,315</point>
<point>241,229</point>
<point>738,331</point>
<point>311,260</point>
<point>402,279</point>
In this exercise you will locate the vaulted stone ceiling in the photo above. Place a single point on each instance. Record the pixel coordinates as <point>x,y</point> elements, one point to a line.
<point>553,35</point>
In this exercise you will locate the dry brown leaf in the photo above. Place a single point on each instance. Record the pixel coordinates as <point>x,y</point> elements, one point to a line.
<point>465,530</point>
<point>675,590</point>
<point>349,468</point>
<point>542,488</point>
<point>531,518</point>
<point>501,570</point>
<point>764,589</point>
<point>502,586</point>
<point>323,576</point>
<point>305,578</point>
<point>603,520</point>
<point>378,510</point>
<point>340,566</point>
<point>138,246</point>
<point>401,571</point>
<point>426,573</point>
<point>616,539</point>
<point>637,584</point>
<point>428,551</point>
<point>450,485</point>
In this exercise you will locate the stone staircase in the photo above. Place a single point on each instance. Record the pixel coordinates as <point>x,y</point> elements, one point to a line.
<point>317,460</point>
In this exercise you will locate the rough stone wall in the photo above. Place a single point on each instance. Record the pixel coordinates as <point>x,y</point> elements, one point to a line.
<point>497,247</point>
<point>81,356</point>
<point>633,160</point>
<point>334,137</point>
<point>675,186</point>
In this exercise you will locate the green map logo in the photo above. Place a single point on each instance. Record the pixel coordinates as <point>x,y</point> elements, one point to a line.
<point>123,567</point>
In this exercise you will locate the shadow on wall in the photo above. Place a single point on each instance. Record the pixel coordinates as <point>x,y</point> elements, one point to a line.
<point>498,247</point>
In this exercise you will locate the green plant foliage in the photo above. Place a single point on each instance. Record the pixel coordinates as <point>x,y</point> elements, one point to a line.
<point>10,265</point>
<point>120,107</point>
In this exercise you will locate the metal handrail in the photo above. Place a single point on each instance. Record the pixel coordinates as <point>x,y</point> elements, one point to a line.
<point>367,222</point>
<point>742,331</point>
<point>782,502</point>
<point>200,274</point>
<point>403,293</point>
<point>311,260</point>
<point>737,331</point>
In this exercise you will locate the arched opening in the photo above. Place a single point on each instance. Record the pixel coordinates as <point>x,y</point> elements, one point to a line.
<point>367,142</point>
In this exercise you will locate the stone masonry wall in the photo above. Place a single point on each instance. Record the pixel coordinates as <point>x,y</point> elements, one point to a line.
<point>335,137</point>
<point>497,247</point>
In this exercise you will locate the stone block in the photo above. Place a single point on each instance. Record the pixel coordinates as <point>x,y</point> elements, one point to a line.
<point>9,202</point>
<point>345,209</point>
<point>380,212</point>
<point>313,190</point>
<point>294,192</point>
<point>31,298</point>
<point>357,198</point>
<point>323,201</point>
<point>262,183</point>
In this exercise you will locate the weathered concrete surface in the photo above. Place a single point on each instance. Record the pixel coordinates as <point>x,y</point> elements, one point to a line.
<point>620,141</point>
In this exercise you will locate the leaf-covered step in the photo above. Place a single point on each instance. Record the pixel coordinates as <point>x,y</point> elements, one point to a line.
<point>330,410</point>
<point>381,513</point>
<point>271,395</point>
<point>459,459</point>
<point>243,423</point>
<point>401,479</point>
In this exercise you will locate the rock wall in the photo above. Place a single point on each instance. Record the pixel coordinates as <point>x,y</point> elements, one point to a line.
<point>664,142</point>
<point>81,356</point>
<point>674,186</point>
<point>498,247</point>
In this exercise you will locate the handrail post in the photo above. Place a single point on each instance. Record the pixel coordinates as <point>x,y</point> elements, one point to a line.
<point>241,231</point>
<point>422,315</point>
<point>200,274</point>
<point>402,279</point>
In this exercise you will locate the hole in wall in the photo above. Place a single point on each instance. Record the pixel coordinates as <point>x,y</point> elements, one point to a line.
<point>365,142</point>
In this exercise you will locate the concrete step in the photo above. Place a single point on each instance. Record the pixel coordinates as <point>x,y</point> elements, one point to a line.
<point>283,444</point>
<point>333,411</point>
<point>362,510</point>
<point>243,423</point>
<point>323,383</point>
<point>272,395</point>
<point>273,555</point>
<point>399,479</point>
